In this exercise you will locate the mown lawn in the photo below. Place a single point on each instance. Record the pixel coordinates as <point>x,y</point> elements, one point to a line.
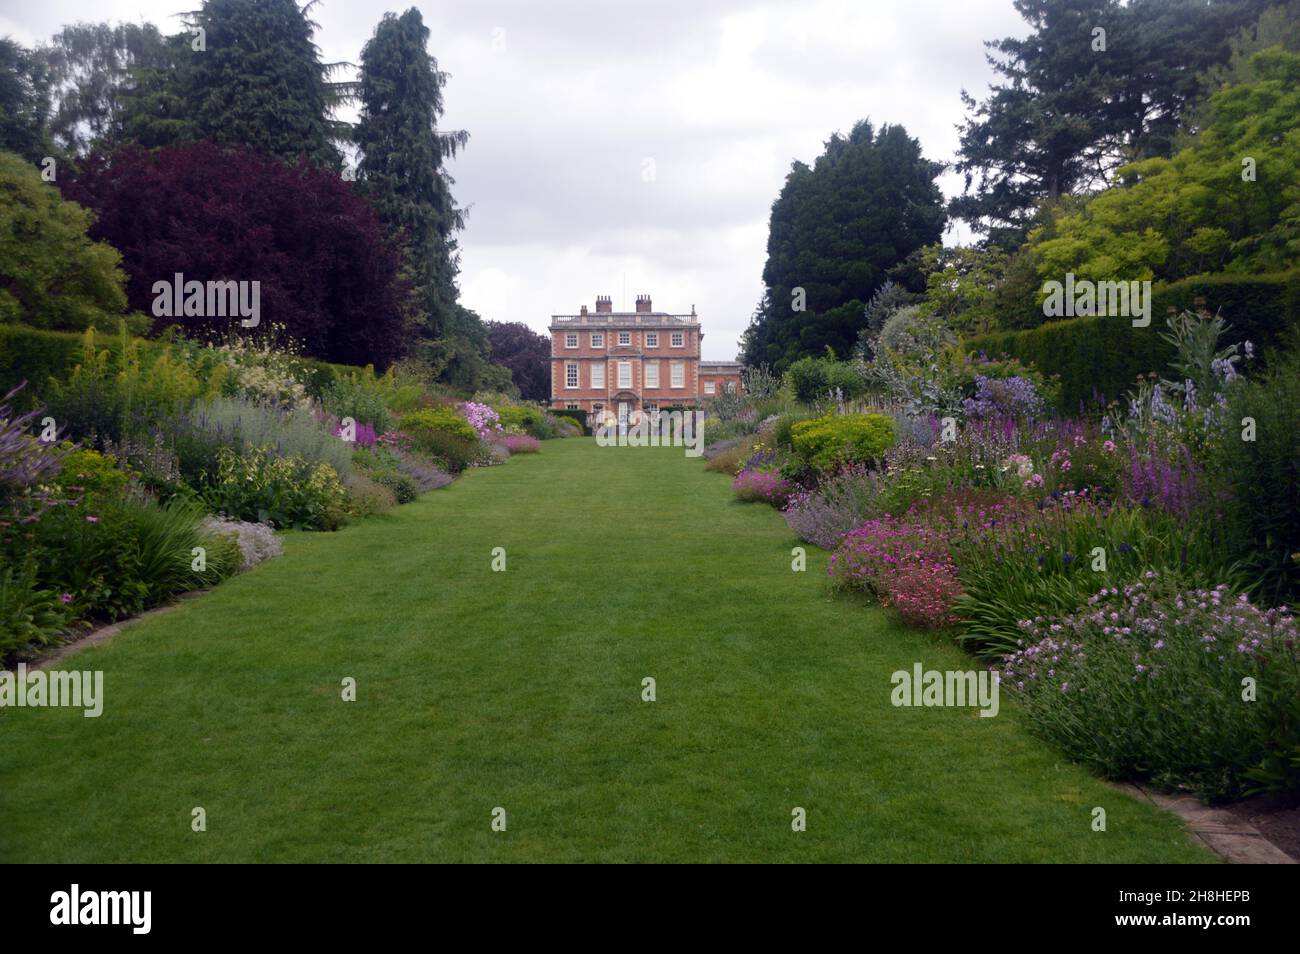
<point>522,689</point>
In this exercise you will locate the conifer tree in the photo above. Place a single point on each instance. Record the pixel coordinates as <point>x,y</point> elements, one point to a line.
<point>401,167</point>
<point>255,79</point>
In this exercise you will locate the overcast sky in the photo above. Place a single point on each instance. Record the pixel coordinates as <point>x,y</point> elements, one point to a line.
<point>620,147</point>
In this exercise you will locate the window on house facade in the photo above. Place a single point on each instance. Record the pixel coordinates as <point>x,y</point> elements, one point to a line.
<point>572,406</point>
<point>678,339</point>
<point>651,410</point>
<point>598,374</point>
<point>652,339</point>
<point>625,337</point>
<point>679,374</point>
<point>597,339</point>
<point>652,374</point>
<point>625,374</point>
<point>708,387</point>
<point>570,341</point>
<point>730,387</point>
<point>571,374</point>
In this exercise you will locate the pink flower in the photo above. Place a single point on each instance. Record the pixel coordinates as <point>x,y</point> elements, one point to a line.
<point>91,518</point>
<point>66,597</point>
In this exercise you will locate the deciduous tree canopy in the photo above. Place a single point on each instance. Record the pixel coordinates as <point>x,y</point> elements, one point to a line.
<point>328,278</point>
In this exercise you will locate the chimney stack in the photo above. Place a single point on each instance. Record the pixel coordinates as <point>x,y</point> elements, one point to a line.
<point>584,311</point>
<point>604,305</point>
<point>643,304</point>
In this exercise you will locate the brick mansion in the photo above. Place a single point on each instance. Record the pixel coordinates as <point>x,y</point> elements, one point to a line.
<point>617,365</point>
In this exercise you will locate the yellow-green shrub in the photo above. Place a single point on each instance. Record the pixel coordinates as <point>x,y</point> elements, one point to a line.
<point>834,439</point>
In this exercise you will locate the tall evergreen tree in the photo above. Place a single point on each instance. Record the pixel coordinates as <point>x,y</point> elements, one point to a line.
<point>1074,104</point>
<point>402,167</point>
<point>838,230</point>
<point>259,82</point>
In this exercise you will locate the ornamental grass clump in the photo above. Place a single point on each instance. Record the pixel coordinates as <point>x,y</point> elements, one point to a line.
<point>1191,689</point>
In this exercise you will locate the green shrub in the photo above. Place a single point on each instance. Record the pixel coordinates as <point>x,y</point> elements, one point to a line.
<point>444,435</point>
<point>90,474</point>
<point>807,379</point>
<point>403,486</point>
<point>30,615</point>
<point>1259,480</point>
<point>360,396</point>
<point>836,439</point>
<point>783,432</point>
<point>812,379</point>
<point>281,491</point>
<point>578,415</point>
<point>416,424</point>
<point>1147,684</point>
<point>27,354</point>
<point>100,400</point>
<point>367,497</point>
<point>120,556</point>
<point>36,355</point>
<point>518,416</point>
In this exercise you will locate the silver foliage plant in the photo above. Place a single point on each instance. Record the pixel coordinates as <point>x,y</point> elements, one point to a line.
<point>257,541</point>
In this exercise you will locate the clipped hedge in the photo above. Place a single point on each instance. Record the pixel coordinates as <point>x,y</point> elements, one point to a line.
<point>1099,358</point>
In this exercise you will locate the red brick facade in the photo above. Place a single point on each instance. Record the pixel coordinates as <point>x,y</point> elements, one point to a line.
<point>617,364</point>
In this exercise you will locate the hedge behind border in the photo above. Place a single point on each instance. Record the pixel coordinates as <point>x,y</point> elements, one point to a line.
<point>1100,358</point>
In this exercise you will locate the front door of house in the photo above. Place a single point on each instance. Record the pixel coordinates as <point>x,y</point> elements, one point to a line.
<point>624,409</point>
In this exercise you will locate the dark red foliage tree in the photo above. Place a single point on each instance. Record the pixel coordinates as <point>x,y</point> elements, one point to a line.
<point>328,278</point>
<point>526,353</point>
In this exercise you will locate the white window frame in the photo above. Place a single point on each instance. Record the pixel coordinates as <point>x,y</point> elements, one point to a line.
<point>598,371</point>
<point>572,406</point>
<point>624,338</point>
<point>652,374</point>
<point>730,387</point>
<point>571,374</point>
<point>571,340</point>
<point>677,340</point>
<point>652,339</point>
<point>625,382</point>
<point>709,387</point>
<point>677,374</point>
<point>598,339</point>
